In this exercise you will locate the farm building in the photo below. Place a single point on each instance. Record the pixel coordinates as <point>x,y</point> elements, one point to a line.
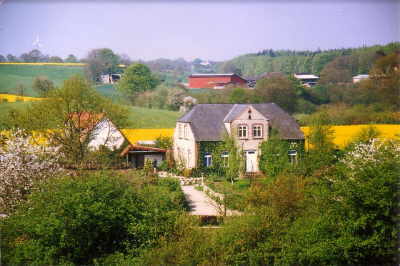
<point>215,81</point>
<point>308,80</point>
<point>360,77</point>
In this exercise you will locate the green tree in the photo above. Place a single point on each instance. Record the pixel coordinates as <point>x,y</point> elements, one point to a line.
<point>338,70</point>
<point>20,89</point>
<point>279,90</point>
<point>76,221</point>
<point>228,159</point>
<point>101,61</point>
<point>238,95</point>
<point>33,56</point>
<point>12,58</point>
<point>136,79</point>
<point>274,157</point>
<point>68,117</point>
<point>2,58</point>
<point>71,59</point>
<point>55,59</point>
<point>42,85</point>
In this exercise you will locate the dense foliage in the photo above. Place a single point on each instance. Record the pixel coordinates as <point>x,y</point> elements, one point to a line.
<point>289,62</point>
<point>137,78</point>
<point>343,213</point>
<point>83,219</point>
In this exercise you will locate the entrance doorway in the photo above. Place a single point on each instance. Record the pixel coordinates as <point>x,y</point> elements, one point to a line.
<point>251,161</point>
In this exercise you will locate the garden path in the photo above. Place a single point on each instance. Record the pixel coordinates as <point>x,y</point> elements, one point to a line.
<point>201,204</point>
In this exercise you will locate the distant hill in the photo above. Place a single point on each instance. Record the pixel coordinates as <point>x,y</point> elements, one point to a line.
<point>12,76</point>
<point>288,62</point>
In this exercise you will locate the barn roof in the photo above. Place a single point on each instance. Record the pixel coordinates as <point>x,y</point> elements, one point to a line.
<point>207,120</point>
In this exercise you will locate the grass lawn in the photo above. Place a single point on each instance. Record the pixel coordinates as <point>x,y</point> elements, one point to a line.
<point>140,117</point>
<point>13,75</point>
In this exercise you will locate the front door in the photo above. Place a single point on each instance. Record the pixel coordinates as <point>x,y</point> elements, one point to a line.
<point>251,161</point>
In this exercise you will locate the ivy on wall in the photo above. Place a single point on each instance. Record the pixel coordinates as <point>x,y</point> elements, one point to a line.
<point>206,147</point>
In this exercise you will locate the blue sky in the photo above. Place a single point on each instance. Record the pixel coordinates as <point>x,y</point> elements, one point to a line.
<point>215,30</point>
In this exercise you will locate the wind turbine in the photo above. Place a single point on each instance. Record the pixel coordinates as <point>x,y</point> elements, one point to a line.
<point>36,43</point>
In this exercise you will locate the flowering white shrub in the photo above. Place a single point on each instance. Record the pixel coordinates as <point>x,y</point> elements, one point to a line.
<point>373,153</point>
<point>23,163</point>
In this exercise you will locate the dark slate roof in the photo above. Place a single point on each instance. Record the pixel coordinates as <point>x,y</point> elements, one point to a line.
<point>207,120</point>
<point>235,111</point>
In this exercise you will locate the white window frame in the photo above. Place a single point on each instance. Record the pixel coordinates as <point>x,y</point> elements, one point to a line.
<point>208,160</point>
<point>243,131</point>
<point>259,129</point>
<point>292,156</point>
<point>225,158</point>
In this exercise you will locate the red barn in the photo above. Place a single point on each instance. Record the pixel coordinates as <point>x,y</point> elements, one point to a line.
<point>215,81</point>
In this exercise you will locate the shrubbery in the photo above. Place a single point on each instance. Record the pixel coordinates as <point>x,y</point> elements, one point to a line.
<point>344,215</point>
<point>78,220</point>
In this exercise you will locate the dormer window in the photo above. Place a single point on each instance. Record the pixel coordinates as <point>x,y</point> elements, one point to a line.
<point>242,131</point>
<point>249,112</point>
<point>257,131</point>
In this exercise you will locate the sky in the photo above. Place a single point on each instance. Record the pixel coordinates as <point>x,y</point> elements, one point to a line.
<point>212,30</point>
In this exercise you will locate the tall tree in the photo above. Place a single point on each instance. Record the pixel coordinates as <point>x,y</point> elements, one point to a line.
<point>71,59</point>
<point>33,56</point>
<point>101,61</point>
<point>136,79</point>
<point>2,58</point>
<point>279,90</point>
<point>339,70</point>
<point>42,85</point>
<point>12,58</point>
<point>55,59</point>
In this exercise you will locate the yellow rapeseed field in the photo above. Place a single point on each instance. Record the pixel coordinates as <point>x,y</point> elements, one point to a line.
<point>135,135</point>
<point>343,135</point>
<point>14,98</point>
<point>43,64</point>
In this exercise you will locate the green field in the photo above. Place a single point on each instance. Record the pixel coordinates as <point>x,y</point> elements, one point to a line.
<point>12,76</point>
<point>138,117</point>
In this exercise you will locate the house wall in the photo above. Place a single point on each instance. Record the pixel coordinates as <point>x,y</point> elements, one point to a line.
<point>250,142</point>
<point>185,148</point>
<point>106,133</point>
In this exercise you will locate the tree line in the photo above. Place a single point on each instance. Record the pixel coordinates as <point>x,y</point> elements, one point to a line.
<point>288,61</point>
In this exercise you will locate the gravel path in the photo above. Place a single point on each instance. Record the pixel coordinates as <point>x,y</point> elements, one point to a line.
<point>201,204</point>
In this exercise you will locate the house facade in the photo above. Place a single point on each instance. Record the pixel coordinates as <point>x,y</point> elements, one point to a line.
<point>250,124</point>
<point>215,81</point>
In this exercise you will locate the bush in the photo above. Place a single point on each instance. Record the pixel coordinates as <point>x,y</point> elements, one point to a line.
<point>22,166</point>
<point>79,220</point>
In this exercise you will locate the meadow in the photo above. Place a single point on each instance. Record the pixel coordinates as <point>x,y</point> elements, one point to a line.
<point>137,117</point>
<point>14,75</point>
